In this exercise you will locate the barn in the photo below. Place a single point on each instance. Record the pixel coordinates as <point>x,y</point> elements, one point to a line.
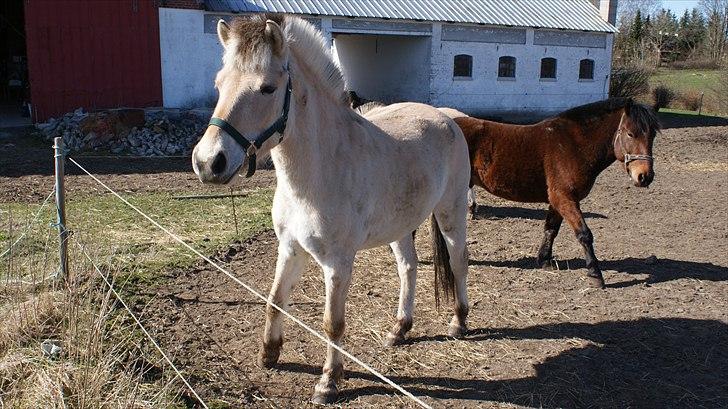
<point>493,58</point>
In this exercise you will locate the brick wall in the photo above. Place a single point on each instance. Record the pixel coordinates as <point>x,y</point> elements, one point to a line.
<point>183,4</point>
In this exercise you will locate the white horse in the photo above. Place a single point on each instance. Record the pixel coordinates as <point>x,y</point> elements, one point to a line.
<point>345,183</point>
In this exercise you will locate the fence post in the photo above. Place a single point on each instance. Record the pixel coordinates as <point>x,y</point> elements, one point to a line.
<point>60,159</point>
<point>700,109</point>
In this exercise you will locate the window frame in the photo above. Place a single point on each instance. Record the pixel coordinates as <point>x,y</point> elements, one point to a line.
<point>591,64</point>
<point>462,57</point>
<point>554,69</point>
<point>511,69</point>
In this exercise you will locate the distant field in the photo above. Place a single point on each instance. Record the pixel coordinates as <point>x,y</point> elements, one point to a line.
<point>688,80</point>
<point>690,84</point>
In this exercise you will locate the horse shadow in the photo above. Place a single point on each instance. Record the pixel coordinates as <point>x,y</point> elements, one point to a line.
<point>515,212</point>
<point>641,363</point>
<point>660,270</point>
<point>671,120</point>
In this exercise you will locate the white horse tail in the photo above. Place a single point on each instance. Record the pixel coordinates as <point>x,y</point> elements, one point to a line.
<point>444,277</point>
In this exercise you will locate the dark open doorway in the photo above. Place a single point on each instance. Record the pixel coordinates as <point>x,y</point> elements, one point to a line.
<point>14,88</point>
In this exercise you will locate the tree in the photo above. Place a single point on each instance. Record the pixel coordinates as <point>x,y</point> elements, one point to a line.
<point>636,31</point>
<point>716,13</point>
<point>628,8</point>
<point>662,34</point>
<point>691,33</point>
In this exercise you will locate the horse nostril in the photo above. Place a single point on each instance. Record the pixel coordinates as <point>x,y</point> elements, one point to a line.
<point>219,164</point>
<point>642,177</point>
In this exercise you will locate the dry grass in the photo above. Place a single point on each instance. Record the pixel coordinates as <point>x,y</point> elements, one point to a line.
<point>101,363</point>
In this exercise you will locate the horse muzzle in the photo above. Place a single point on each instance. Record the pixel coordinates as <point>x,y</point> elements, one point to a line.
<point>213,169</point>
<point>642,177</point>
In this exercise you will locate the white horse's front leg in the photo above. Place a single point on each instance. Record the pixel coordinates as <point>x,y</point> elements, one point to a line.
<point>406,255</point>
<point>291,262</point>
<point>338,278</point>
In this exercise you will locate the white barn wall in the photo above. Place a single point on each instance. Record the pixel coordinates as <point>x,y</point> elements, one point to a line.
<point>487,95</point>
<point>190,59</point>
<point>191,56</point>
<point>386,68</point>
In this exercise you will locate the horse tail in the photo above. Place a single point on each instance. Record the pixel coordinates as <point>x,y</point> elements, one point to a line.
<point>444,277</point>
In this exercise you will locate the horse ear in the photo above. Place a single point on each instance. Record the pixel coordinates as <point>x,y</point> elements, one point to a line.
<point>275,35</point>
<point>223,32</point>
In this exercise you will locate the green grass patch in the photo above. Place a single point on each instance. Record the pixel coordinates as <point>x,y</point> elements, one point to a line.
<point>121,239</point>
<point>688,80</point>
<point>689,84</point>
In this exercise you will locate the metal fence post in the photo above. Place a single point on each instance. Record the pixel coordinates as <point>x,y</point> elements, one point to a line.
<point>60,159</point>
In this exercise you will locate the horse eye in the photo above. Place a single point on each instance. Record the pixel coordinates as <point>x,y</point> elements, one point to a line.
<point>267,89</point>
<point>630,134</point>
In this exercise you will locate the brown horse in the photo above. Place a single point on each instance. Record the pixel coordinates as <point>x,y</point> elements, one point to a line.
<point>557,161</point>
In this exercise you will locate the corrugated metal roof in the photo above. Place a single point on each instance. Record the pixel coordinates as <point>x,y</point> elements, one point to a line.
<point>557,14</point>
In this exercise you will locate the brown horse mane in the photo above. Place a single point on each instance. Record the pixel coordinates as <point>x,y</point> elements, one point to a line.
<point>644,117</point>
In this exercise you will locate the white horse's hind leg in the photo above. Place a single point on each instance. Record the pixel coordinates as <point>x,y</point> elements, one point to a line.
<point>406,255</point>
<point>452,224</point>
<point>337,277</point>
<point>291,262</point>
<point>472,204</point>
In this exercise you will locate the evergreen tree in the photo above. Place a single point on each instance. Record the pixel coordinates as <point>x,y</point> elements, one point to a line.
<point>636,30</point>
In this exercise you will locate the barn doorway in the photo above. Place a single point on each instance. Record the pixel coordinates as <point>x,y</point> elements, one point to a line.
<point>387,68</point>
<point>14,87</point>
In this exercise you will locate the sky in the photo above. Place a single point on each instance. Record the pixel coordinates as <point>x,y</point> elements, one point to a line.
<point>679,6</point>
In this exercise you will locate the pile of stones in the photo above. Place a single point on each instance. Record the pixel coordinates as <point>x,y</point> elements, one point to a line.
<point>129,131</point>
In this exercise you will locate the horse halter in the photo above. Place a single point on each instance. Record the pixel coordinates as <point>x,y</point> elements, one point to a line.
<point>628,157</point>
<point>250,147</point>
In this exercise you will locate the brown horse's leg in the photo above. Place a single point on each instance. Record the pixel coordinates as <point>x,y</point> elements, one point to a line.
<point>570,210</point>
<point>551,229</point>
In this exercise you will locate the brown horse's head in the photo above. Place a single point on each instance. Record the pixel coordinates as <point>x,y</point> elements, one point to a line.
<point>252,86</point>
<point>633,142</point>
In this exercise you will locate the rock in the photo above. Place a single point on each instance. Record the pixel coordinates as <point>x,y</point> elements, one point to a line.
<point>51,348</point>
<point>159,132</point>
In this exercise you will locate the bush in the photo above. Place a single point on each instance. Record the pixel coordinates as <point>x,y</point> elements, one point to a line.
<point>662,97</point>
<point>691,100</point>
<point>698,63</point>
<point>629,82</point>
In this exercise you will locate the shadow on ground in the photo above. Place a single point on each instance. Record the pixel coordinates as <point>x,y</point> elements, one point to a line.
<point>660,271</point>
<point>671,120</point>
<point>515,212</point>
<point>644,363</point>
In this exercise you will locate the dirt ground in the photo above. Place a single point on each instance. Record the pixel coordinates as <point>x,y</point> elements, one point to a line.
<point>657,336</point>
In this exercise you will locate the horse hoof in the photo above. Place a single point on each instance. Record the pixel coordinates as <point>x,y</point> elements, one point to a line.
<point>269,354</point>
<point>457,331</point>
<point>393,340</point>
<point>325,395</point>
<point>548,264</point>
<point>596,282</point>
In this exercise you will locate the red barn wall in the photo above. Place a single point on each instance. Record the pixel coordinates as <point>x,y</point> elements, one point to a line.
<point>92,54</point>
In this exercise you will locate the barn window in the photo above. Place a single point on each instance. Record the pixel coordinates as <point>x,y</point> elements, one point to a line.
<point>463,66</point>
<point>507,67</point>
<point>548,68</point>
<point>586,70</point>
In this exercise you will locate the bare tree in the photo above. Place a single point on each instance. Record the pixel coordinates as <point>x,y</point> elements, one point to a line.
<point>662,34</point>
<point>716,13</point>
<point>628,8</point>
